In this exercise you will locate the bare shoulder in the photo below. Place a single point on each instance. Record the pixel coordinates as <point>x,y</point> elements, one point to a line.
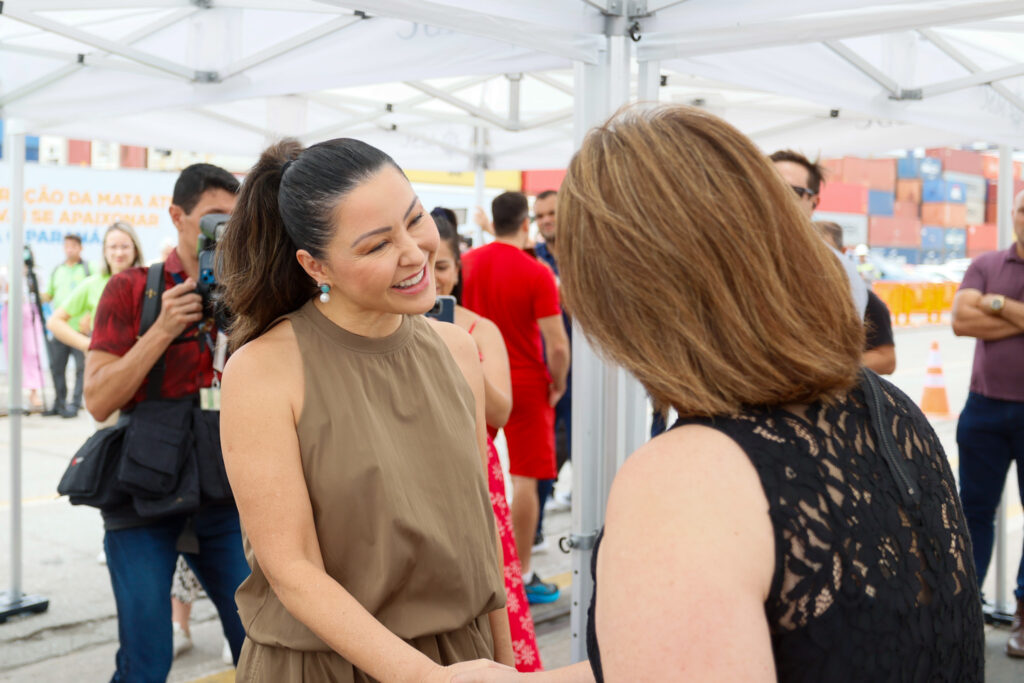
<point>460,344</point>
<point>485,329</point>
<point>692,451</point>
<point>699,488</point>
<point>270,357</point>
<point>719,481</point>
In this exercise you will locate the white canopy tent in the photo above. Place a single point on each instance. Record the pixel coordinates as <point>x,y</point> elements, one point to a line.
<point>474,83</point>
<point>227,75</point>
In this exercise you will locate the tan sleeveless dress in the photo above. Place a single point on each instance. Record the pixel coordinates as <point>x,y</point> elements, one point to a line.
<point>388,444</point>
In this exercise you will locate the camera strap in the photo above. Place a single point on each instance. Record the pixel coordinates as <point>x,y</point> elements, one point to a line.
<point>151,303</point>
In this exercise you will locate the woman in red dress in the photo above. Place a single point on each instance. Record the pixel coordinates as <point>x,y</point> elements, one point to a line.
<point>498,386</point>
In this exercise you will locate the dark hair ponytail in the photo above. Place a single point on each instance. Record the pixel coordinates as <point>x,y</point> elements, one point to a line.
<point>287,203</point>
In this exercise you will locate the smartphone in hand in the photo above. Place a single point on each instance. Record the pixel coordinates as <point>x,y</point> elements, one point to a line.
<point>443,310</point>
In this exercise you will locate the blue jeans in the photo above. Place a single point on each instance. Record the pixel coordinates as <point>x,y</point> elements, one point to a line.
<point>141,562</point>
<point>990,435</point>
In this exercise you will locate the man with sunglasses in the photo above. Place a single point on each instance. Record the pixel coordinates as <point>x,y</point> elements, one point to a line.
<point>806,178</point>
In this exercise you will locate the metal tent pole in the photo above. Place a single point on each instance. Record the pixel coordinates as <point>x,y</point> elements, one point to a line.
<point>591,104</point>
<point>13,601</point>
<point>1002,612</point>
<point>479,178</point>
<point>599,414</point>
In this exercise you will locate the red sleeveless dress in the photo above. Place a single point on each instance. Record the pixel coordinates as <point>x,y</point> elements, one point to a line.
<point>524,638</point>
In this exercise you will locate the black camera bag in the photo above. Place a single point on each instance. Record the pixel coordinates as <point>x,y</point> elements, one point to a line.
<point>90,477</point>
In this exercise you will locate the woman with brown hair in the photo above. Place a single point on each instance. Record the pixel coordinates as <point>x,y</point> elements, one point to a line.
<point>353,431</point>
<point>800,521</point>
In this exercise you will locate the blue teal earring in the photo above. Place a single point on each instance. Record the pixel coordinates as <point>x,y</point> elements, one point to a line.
<point>325,293</point>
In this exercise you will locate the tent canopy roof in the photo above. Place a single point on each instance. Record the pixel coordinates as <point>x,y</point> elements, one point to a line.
<point>444,83</point>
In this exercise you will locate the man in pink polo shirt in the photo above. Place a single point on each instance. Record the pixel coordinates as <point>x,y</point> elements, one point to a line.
<point>990,307</point>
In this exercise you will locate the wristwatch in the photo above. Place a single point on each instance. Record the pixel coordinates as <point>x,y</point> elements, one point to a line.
<point>997,303</point>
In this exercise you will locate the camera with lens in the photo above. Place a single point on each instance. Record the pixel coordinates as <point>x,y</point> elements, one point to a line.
<point>211,229</point>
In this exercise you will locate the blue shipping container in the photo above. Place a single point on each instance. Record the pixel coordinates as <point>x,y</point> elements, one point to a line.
<point>908,167</point>
<point>957,252</point>
<point>930,168</point>
<point>943,191</point>
<point>933,237</point>
<point>908,256</point>
<point>956,237</point>
<point>933,256</point>
<point>880,203</point>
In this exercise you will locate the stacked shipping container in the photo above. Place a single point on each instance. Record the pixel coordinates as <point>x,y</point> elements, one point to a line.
<point>922,210</point>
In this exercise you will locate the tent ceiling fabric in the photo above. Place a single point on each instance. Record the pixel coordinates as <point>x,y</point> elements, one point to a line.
<point>420,77</point>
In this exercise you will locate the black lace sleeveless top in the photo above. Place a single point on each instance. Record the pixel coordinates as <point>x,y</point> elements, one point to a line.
<point>866,587</point>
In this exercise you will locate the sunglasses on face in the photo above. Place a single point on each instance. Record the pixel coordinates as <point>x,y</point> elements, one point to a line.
<point>803,192</point>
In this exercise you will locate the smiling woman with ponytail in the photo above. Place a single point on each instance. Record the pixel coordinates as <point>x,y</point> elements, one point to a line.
<point>353,431</point>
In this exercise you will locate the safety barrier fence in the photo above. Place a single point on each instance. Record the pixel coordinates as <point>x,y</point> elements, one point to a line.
<point>905,299</point>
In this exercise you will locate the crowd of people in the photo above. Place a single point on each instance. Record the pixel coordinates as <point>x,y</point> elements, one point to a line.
<point>326,464</point>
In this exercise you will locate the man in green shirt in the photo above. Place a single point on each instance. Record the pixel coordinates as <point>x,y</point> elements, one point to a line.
<point>62,282</point>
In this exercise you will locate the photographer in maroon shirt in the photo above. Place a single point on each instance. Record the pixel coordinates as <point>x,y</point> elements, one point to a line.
<point>990,307</point>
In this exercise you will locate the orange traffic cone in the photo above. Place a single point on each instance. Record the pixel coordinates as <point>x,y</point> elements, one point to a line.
<point>935,403</point>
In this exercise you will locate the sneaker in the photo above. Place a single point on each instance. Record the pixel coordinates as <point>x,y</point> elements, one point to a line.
<point>57,409</point>
<point>70,411</point>
<point>225,653</point>
<point>540,593</point>
<point>560,502</point>
<point>540,544</point>
<point>182,641</point>
<point>102,557</point>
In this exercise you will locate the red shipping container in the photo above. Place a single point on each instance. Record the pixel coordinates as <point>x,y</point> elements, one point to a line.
<point>975,253</point>
<point>535,182</point>
<point>80,152</point>
<point>881,174</point>
<point>991,169</point>
<point>906,209</point>
<point>945,214</point>
<point>908,190</point>
<point>844,198</point>
<point>848,170</point>
<point>991,213</point>
<point>886,231</point>
<point>833,169</point>
<point>133,157</point>
<point>855,171</point>
<point>982,237</point>
<point>959,160</point>
<point>992,192</point>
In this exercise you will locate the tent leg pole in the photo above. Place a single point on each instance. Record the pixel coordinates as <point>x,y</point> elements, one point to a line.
<point>1001,612</point>
<point>13,601</point>
<point>590,107</point>
<point>479,179</point>
<point>600,424</point>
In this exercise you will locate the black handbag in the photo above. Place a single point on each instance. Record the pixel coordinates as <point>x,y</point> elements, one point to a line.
<point>90,477</point>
